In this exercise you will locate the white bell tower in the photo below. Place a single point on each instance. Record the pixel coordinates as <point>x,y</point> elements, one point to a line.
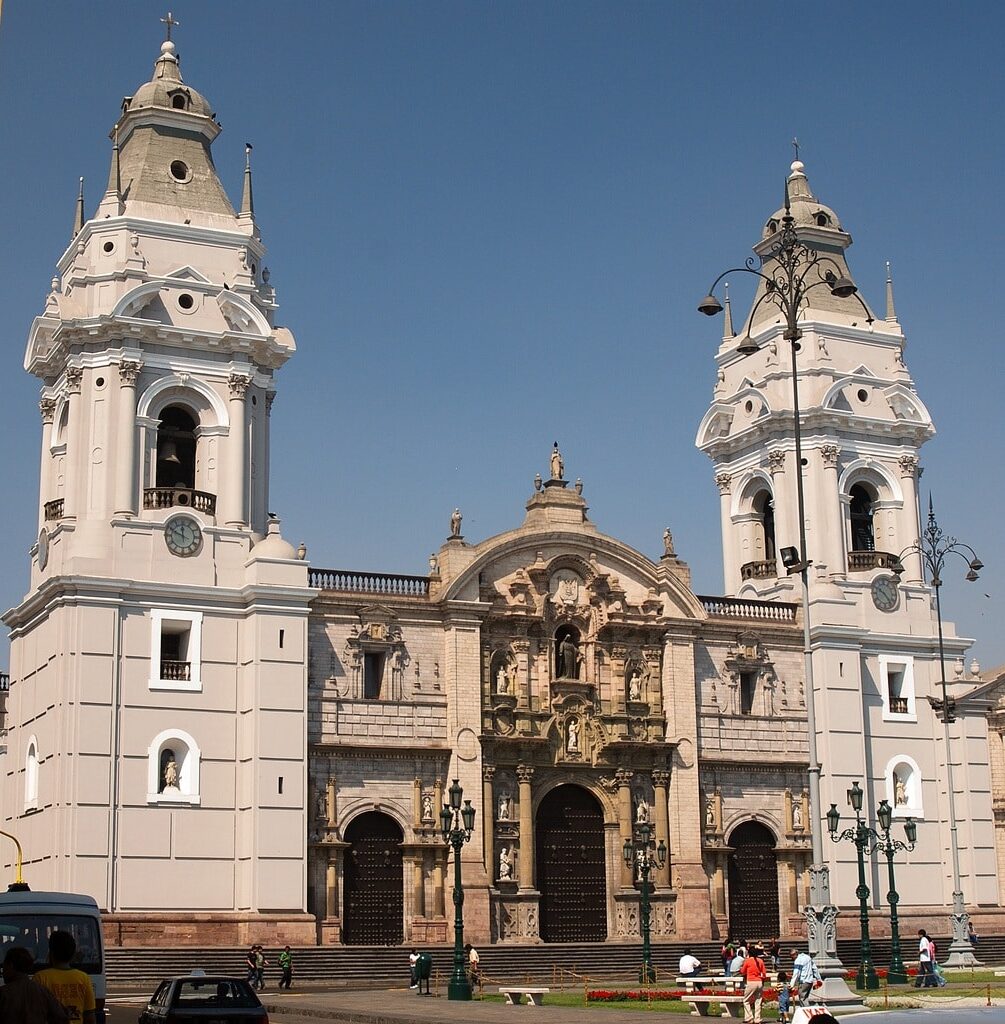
<point>158,680</point>
<point>874,635</point>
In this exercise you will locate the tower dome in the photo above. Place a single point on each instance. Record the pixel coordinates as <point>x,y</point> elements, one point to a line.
<point>167,89</point>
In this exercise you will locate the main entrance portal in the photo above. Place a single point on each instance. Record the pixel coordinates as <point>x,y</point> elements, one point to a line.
<point>753,883</point>
<point>570,867</point>
<point>373,889</point>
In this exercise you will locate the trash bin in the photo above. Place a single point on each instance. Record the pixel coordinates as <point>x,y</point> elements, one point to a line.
<point>423,970</point>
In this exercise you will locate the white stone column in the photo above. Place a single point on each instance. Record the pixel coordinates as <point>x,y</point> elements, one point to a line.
<point>73,497</point>
<point>47,407</point>
<point>623,777</point>
<point>488,820</point>
<point>910,526</point>
<point>234,499</point>
<point>730,570</point>
<point>125,473</point>
<point>832,541</point>
<point>781,504</point>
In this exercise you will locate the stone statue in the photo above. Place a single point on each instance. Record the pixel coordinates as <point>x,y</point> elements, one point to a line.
<point>710,813</point>
<point>557,465</point>
<point>797,815</point>
<point>572,741</point>
<point>505,865</point>
<point>502,680</point>
<point>635,684</point>
<point>668,551</point>
<point>455,523</point>
<point>504,805</point>
<point>568,658</point>
<point>899,791</point>
<point>434,565</point>
<point>171,773</point>
<point>427,807</point>
<point>641,810</point>
<point>321,806</point>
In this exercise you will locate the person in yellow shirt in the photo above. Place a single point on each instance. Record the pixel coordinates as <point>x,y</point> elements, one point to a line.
<point>71,987</point>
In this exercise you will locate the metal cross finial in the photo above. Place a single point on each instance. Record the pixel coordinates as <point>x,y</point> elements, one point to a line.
<point>170,22</point>
<point>795,142</point>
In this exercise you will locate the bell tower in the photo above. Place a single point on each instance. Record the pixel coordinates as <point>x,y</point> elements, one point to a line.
<point>874,632</point>
<point>157,668</point>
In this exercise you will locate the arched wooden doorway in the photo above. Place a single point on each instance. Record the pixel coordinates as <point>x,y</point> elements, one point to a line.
<point>373,889</point>
<point>753,882</point>
<point>571,872</point>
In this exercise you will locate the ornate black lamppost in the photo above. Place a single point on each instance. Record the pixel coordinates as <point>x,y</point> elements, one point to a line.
<point>457,824</point>
<point>889,846</point>
<point>861,835</point>
<point>789,270</point>
<point>934,547</point>
<point>642,852</point>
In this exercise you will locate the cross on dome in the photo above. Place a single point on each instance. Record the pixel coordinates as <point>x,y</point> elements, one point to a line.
<point>170,23</point>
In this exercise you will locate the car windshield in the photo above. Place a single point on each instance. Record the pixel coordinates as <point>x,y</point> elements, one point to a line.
<point>229,994</point>
<point>33,930</point>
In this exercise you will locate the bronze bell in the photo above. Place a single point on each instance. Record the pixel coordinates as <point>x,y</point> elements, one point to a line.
<point>169,452</point>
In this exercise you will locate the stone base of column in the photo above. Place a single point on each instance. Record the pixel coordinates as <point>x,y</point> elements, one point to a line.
<point>961,952</point>
<point>821,930</point>
<point>515,915</point>
<point>330,932</point>
<point>427,930</point>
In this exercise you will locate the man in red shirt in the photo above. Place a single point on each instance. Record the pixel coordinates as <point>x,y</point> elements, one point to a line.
<point>753,972</point>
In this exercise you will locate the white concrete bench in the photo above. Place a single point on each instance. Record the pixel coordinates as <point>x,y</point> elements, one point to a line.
<point>730,1006</point>
<point>514,995</point>
<point>733,983</point>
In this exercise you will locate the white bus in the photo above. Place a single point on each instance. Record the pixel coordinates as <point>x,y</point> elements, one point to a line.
<point>29,918</point>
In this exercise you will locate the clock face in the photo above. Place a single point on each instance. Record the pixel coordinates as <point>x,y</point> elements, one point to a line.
<point>183,536</point>
<point>43,549</point>
<point>885,594</point>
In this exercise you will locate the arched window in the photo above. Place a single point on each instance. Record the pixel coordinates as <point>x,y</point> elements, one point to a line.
<point>176,448</point>
<point>764,506</point>
<point>173,761</point>
<point>863,537</point>
<point>31,775</point>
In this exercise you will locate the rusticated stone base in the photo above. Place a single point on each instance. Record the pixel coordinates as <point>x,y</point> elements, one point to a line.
<point>209,929</point>
<point>330,932</point>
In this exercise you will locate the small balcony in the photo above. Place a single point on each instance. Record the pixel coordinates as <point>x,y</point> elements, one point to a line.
<point>898,705</point>
<point>864,561</point>
<point>186,497</point>
<point>53,509</point>
<point>176,671</point>
<point>759,570</point>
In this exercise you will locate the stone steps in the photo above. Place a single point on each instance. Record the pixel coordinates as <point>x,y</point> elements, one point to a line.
<point>381,965</point>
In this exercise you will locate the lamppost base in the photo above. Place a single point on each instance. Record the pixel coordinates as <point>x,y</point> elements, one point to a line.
<point>459,988</point>
<point>961,957</point>
<point>961,951</point>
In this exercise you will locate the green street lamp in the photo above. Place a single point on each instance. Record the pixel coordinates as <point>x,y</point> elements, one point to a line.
<point>934,548</point>
<point>889,846</point>
<point>642,851</point>
<point>457,822</point>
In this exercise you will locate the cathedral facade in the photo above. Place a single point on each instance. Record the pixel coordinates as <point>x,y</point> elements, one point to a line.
<point>222,743</point>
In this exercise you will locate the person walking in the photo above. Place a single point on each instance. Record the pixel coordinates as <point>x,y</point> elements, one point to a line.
<point>805,975</point>
<point>286,966</point>
<point>71,987</point>
<point>784,997</point>
<point>22,999</point>
<point>260,964</point>
<point>413,968</point>
<point>474,974</point>
<point>249,964</point>
<point>754,973</point>
<point>926,970</point>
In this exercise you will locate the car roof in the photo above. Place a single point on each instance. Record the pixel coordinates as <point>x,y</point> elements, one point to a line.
<point>207,977</point>
<point>45,899</point>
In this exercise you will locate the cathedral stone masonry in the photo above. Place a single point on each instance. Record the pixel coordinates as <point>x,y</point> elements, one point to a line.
<point>271,742</point>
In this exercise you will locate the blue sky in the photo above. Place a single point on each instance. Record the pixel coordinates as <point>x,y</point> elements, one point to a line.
<point>489,225</point>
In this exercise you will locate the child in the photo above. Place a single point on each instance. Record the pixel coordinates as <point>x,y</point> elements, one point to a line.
<point>784,997</point>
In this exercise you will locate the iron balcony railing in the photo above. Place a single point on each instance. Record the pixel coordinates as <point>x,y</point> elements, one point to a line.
<point>53,509</point>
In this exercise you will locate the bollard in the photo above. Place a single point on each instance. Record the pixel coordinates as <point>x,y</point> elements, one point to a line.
<point>989,993</point>
<point>886,993</point>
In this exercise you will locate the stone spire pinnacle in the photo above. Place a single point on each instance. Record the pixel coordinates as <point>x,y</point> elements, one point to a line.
<point>78,215</point>
<point>247,196</point>
<point>111,204</point>
<point>891,312</point>
<point>727,321</point>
